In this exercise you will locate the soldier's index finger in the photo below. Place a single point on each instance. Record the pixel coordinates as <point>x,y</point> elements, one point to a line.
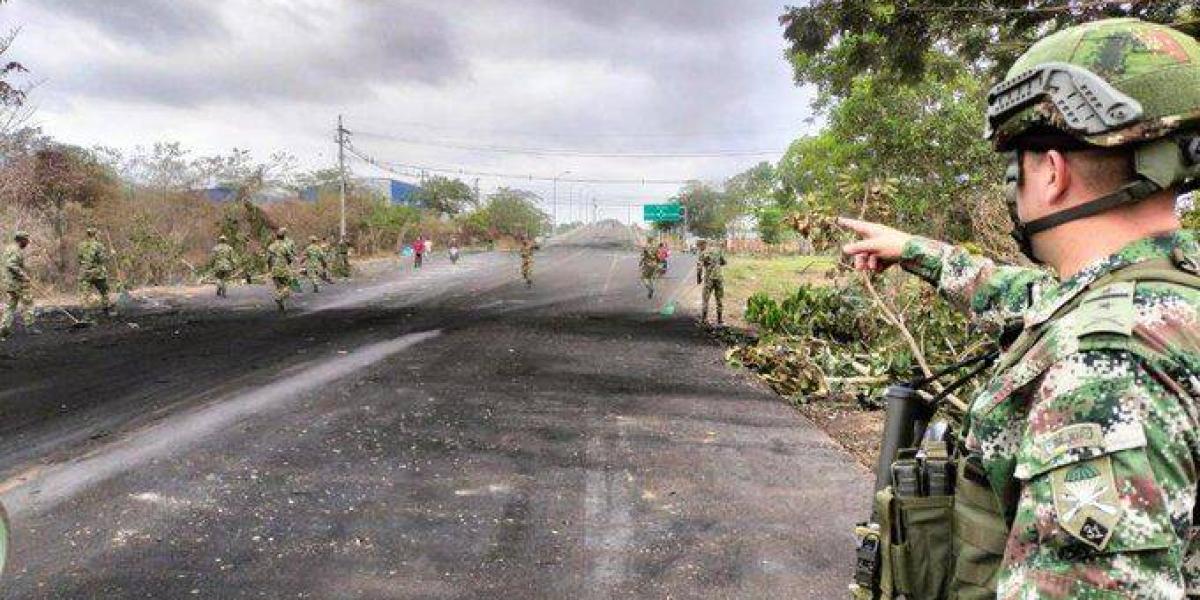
<point>862,228</point>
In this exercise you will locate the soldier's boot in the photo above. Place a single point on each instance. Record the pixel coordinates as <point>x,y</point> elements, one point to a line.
<point>280,305</point>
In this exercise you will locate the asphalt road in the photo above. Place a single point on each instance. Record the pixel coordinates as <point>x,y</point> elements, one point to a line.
<point>446,433</point>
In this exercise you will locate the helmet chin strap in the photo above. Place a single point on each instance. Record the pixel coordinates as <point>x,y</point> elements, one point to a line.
<point>1023,232</point>
<point>1129,193</point>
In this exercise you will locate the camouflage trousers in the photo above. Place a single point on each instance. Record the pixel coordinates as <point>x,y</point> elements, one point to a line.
<point>648,278</point>
<point>527,270</point>
<point>341,266</point>
<point>283,288</point>
<point>100,287</point>
<point>715,289</point>
<point>222,278</point>
<point>15,300</point>
<point>314,276</point>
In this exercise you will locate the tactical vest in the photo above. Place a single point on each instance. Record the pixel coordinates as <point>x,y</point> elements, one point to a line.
<point>951,546</point>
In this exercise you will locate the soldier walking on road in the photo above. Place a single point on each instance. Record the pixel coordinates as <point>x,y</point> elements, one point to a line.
<point>650,268</point>
<point>314,263</point>
<point>527,248</point>
<point>709,273</point>
<point>224,263</point>
<point>342,264</point>
<point>280,256</point>
<point>329,256</point>
<point>1078,477</point>
<point>93,269</point>
<point>15,283</point>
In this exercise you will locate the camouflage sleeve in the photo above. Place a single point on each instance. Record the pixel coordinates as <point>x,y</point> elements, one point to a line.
<point>1107,478</point>
<point>990,293</point>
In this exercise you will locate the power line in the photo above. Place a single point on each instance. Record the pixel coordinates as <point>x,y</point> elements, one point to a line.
<point>590,135</point>
<point>567,153</point>
<point>415,170</point>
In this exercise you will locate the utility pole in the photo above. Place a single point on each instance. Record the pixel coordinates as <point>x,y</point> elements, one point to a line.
<point>555,201</point>
<point>478,200</point>
<point>341,142</point>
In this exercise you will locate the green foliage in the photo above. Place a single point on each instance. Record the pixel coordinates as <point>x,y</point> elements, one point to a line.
<point>834,43</point>
<point>445,196</point>
<point>708,209</point>
<point>510,212</point>
<point>833,340</point>
<point>913,154</point>
<point>771,226</point>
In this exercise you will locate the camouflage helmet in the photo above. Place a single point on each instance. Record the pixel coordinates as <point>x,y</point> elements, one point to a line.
<point>1108,83</point>
<point>222,239</point>
<point>312,239</point>
<point>90,231</point>
<point>21,235</point>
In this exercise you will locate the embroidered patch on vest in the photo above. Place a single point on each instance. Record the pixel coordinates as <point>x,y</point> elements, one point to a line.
<point>1086,501</point>
<point>1072,437</point>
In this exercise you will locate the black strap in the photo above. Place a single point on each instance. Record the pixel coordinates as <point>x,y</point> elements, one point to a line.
<point>1128,194</point>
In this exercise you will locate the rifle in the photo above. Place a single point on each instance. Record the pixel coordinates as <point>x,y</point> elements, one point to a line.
<point>907,424</point>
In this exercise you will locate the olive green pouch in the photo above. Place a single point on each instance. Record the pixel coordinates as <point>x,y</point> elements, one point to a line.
<point>980,534</point>
<point>917,550</point>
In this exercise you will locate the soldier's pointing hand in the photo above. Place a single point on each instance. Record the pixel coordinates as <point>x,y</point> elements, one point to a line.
<point>880,247</point>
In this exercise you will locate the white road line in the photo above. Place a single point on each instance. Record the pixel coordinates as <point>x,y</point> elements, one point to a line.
<point>43,489</point>
<point>608,513</point>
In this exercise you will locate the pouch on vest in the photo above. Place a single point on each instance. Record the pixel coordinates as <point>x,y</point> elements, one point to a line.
<point>980,534</point>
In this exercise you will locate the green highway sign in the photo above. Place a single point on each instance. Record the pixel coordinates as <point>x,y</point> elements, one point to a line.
<point>662,213</point>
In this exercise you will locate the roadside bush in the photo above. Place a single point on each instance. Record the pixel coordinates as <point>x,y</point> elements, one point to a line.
<point>841,341</point>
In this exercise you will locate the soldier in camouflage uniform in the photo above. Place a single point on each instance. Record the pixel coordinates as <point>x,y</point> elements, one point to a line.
<point>93,269</point>
<point>314,263</point>
<point>14,282</point>
<point>527,248</point>
<point>709,273</point>
<point>329,256</point>
<point>342,264</point>
<point>1087,437</point>
<point>650,268</point>
<point>223,264</point>
<point>280,256</point>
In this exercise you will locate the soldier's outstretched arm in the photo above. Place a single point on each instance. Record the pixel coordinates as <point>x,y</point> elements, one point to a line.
<point>1107,481</point>
<point>989,292</point>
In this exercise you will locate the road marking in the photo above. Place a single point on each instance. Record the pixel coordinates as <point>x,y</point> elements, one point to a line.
<point>607,280</point>
<point>42,489</point>
<point>608,513</point>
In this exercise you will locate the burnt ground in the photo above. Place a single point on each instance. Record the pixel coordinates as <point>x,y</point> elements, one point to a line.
<point>446,433</point>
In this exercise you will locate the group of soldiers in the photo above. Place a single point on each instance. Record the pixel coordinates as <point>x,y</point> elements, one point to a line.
<point>709,274</point>
<point>319,261</point>
<point>17,285</point>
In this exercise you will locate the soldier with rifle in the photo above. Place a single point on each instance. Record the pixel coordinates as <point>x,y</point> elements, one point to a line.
<point>1078,462</point>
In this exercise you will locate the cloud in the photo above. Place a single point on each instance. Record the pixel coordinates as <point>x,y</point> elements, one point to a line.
<point>269,52</point>
<point>581,75</point>
<point>150,23</point>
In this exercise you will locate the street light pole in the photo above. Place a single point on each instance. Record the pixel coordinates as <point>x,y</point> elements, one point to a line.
<point>555,203</point>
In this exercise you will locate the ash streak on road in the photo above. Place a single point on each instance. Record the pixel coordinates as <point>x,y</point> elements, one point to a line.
<point>45,488</point>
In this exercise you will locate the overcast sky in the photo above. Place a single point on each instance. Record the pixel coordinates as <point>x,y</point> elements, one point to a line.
<point>569,76</point>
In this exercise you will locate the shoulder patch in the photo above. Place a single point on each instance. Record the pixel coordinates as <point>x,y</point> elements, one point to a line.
<point>1106,310</point>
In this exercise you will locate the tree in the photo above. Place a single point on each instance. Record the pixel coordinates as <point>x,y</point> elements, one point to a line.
<point>910,155</point>
<point>833,42</point>
<point>708,210</point>
<point>446,196</point>
<point>514,212</point>
<point>66,176</point>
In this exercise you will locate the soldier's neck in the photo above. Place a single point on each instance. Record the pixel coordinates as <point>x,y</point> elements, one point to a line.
<point>1072,247</point>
